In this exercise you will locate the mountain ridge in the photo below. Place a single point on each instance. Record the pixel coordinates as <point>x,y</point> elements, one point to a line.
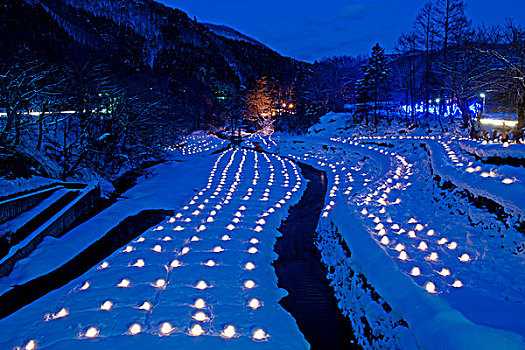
<point>150,48</point>
<point>232,33</point>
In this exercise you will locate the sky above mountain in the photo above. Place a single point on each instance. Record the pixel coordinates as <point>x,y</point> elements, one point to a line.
<point>313,29</point>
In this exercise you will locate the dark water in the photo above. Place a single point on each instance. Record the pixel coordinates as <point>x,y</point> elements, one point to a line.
<point>299,269</point>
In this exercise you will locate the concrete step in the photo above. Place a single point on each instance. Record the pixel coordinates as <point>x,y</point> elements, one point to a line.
<point>55,221</point>
<point>15,230</point>
<point>13,205</point>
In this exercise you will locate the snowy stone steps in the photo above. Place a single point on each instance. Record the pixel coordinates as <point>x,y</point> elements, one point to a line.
<point>26,218</point>
<point>60,217</point>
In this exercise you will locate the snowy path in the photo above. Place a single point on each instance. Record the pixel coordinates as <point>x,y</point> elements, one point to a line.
<point>201,279</point>
<point>196,144</point>
<point>503,184</point>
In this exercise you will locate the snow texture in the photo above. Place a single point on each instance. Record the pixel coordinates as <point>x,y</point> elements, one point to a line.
<point>416,261</point>
<point>201,279</point>
<point>414,264</point>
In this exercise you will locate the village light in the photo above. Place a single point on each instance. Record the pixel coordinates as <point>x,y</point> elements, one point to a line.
<point>200,316</point>
<point>92,332</point>
<point>415,271</point>
<point>259,334</point>
<point>166,328</point>
<point>199,304</point>
<point>196,330</point>
<point>106,306</point>
<point>135,329</point>
<point>145,306</point>
<point>430,287</point>
<point>228,332</point>
<point>254,304</point>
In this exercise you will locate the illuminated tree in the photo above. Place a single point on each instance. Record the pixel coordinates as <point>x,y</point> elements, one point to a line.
<point>260,107</point>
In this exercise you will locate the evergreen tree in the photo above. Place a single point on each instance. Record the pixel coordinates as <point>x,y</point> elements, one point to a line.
<point>373,88</point>
<point>310,101</point>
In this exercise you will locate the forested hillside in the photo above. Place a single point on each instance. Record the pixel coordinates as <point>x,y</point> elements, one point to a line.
<point>133,73</point>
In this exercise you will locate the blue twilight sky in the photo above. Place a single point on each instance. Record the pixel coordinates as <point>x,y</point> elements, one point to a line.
<point>313,29</point>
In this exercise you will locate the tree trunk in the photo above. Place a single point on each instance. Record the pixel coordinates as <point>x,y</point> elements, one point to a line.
<point>40,132</point>
<point>17,130</point>
<point>232,132</point>
<point>465,111</point>
<point>40,122</point>
<point>406,109</point>
<point>375,112</point>
<point>521,111</point>
<point>4,135</point>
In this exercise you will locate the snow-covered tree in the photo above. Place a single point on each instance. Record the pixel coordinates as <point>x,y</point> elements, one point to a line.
<point>20,85</point>
<point>506,72</point>
<point>465,73</point>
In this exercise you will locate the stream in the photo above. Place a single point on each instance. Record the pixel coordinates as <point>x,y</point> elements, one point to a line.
<point>299,269</point>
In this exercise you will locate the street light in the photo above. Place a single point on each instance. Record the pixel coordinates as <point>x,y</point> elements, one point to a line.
<point>483,96</point>
<point>436,109</point>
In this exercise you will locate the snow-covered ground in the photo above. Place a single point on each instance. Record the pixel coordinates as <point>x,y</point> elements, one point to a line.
<point>167,187</point>
<point>423,238</point>
<point>197,144</point>
<point>201,279</point>
<point>452,271</point>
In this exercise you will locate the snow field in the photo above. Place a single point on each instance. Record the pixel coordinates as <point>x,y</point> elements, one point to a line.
<point>502,184</point>
<point>265,141</point>
<point>197,144</point>
<point>429,264</point>
<point>202,278</point>
<point>484,149</point>
<point>165,187</point>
